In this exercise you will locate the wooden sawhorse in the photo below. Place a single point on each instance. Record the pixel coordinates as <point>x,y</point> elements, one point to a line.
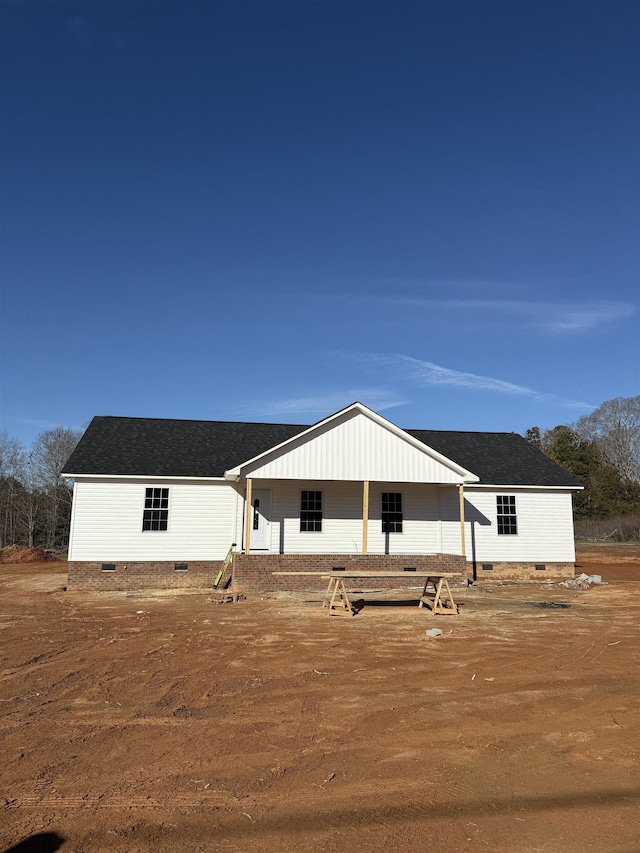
<point>440,599</point>
<point>336,598</point>
<point>337,602</point>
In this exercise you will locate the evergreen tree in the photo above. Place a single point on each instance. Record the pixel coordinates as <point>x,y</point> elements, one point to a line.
<point>606,492</point>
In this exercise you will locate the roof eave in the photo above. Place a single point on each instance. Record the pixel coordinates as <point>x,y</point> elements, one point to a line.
<point>527,486</point>
<point>143,477</point>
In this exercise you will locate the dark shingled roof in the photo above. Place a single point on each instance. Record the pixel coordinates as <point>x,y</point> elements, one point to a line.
<point>498,458</point>
<point>172,448</point>
<point>152,447</point>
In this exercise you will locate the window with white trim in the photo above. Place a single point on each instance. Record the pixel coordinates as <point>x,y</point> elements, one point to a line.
<point>506,515</point>
<point>156,509</point>
<point>392,512</point>
<point>310,511</point>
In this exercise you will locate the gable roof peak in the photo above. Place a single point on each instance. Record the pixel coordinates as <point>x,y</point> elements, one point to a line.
<point>464,473</point>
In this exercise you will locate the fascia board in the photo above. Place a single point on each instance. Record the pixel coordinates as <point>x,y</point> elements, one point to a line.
<point>144,477</point>
<point>539,488</point>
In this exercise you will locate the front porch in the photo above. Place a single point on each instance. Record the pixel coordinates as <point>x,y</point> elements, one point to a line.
<point>335,519</point>
<point>254,572</point>
<point>356,493</point>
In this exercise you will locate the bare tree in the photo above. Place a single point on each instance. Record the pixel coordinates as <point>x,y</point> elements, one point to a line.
<point>615,428</point>
<point>11,462</point>
<point>50,452</point>
<point>28,504</point>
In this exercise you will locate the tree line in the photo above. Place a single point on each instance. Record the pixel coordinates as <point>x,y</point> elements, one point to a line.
<point>35,499</point>
<point>602,450</point>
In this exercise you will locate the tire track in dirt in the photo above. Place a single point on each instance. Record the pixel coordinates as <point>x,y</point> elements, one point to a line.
<point>103,802</point>
<point>591,652</point>
<point>34,664</point>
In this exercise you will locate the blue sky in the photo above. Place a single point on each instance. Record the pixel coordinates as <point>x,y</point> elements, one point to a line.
<point>267,210</point>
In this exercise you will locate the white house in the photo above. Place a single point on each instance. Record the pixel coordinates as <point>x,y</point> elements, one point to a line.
<point>159,503</point>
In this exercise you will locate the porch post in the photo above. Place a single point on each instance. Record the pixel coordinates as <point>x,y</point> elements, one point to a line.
<point>461,494</point>
<point>247,516</point>
<point>365,516</point>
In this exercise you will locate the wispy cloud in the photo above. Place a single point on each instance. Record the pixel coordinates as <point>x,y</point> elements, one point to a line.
<point>324,404</point>
<point>549,316</point>
<point>34,422</point>
<point>426,373</point>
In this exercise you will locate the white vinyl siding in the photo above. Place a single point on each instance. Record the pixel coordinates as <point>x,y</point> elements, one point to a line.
<point>545,526</point>
<point>341,519</point>
<point>420,526</point>
<point>355,449</point>
<point>107,521</point>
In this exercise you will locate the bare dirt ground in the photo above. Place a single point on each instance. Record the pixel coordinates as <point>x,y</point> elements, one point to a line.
<point>163,722</point>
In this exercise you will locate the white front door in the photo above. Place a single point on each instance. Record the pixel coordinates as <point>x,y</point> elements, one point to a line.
<point>260,519</point>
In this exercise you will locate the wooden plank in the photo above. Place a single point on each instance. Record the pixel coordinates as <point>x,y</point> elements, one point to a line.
<point>462,535</point>
<point>315,574</point>
<point>329,574</point>
<point>388,574</point>
<point>365,516</point>
<point>247,519</point>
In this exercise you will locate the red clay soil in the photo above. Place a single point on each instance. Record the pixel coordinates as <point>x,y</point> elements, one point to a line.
<point>163,722</point>
<point>616,561</point>
<point>16,554</point>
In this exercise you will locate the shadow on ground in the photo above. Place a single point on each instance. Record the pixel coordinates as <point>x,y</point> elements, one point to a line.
<point>43,842</point>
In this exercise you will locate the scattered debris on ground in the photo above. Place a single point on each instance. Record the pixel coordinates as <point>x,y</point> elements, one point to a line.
<point>583,581</point>
<point>226,597</point>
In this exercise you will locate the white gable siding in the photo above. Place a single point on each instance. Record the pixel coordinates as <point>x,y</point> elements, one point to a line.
<point>355,448</point>
<point>545,526</point>
<point>107,521</point>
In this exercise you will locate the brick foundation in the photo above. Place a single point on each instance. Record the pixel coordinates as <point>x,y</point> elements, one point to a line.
<point>520,571</point>
<point>253,572</point>
<point>143,575</point>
